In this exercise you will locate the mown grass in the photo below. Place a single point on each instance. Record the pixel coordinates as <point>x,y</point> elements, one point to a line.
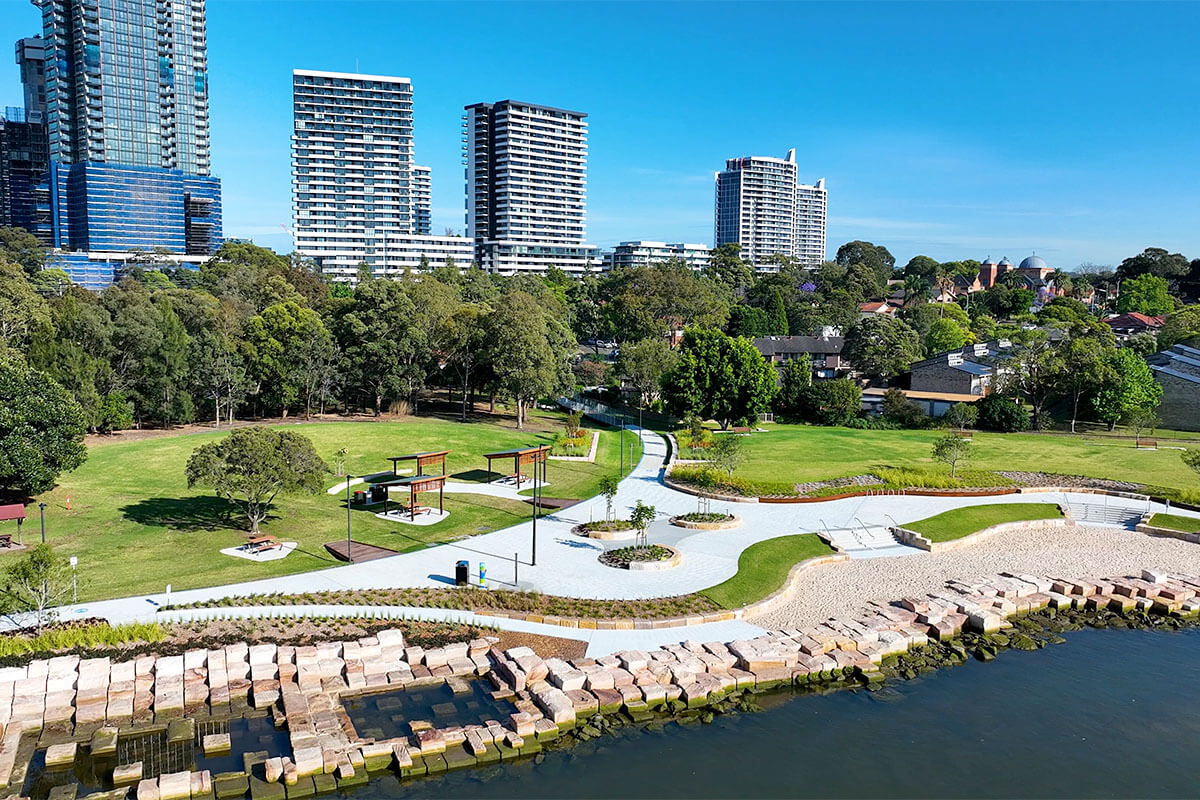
<point>136,527</point>
<point>800,453</point>
<point>762,568</point>
<point>1176,522</point>
<point>964,521</point>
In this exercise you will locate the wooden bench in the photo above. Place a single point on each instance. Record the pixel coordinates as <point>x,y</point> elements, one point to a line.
<point>741,429</point>
<point>965,434</point>
<point>1147,443</point>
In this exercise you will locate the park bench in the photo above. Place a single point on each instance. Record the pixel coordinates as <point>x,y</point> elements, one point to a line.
<point>741,429</point>
<point>965,434</point>
<point>261,544</point>
<point>5,540</point>
<point>1153,443</point>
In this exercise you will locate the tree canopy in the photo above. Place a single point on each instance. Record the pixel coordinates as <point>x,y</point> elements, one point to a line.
<point>41,429</point>
<point>719,377</point>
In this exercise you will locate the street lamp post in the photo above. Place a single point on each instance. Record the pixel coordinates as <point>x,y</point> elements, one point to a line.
<point>622,448</point>
<point>42,510</point>
<point>349,552</point>
<point>533,543</point>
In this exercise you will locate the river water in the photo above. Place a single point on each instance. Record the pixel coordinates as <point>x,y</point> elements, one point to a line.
<point>1111,713</point>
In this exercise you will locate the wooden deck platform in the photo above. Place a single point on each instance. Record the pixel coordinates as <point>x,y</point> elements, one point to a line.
<point>362,552</point>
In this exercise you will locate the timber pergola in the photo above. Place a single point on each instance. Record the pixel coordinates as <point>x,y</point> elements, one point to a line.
<point>423,460</point>
<point>416,484</point>
<point>15,511</point>
<point>521,456</point>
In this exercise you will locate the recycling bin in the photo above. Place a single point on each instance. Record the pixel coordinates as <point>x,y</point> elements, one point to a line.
<point>462,570</point>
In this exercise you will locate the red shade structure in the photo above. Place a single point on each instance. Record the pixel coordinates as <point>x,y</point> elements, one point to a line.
<point>15,511</point>
<point>423,460</point>
<point>416,484</point>
<point>521,456</point>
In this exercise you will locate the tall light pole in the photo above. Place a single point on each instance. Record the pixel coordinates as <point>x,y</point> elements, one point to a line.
<point>349,552</point>
<point>622,418</point>
<point>533,543</point>
<point>42,510</point>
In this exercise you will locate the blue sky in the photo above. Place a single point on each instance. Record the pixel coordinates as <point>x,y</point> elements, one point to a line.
<point>958,130</point>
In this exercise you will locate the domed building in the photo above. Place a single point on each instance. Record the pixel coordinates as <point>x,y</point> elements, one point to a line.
<point>1032,272</point>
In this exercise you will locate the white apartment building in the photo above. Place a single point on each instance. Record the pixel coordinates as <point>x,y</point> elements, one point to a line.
<point>762,206</point>
<point>357,195</point>
<point>526,173</point>
<point>641,253</point>
<point>423,199</point>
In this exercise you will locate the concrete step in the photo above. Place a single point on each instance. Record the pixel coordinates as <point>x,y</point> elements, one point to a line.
<point>1109,516</point>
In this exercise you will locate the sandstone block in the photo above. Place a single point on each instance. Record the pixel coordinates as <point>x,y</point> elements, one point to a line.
<point>60,755</point>
<point>127,774</point>
<point>175,786</point>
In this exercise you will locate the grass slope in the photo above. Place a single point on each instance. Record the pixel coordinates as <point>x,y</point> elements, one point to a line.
<point>1176,522</point>
<point>136,527</point>
<point>964,521</point>
<point>762,568</point>
<point>798,453</point>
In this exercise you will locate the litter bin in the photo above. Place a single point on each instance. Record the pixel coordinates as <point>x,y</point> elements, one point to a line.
<point>461,571</point>
<point>378,494</point>
<point>360,497</point>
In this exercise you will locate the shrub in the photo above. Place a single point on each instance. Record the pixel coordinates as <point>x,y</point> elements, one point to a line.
<point>997,412</point>
<point>898,409</point>
<point>961,415</point>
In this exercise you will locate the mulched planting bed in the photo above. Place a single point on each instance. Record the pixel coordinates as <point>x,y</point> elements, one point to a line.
<point>710,517</point>
<point>472,599</point>
<point>1069,481</point>
<point>623,557</point>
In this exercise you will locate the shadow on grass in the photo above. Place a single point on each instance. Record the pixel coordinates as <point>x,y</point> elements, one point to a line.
<point>477,475</point>
<point>196,513</point>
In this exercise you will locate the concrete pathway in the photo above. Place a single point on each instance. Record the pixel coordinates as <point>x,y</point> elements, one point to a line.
<point>567,564</point>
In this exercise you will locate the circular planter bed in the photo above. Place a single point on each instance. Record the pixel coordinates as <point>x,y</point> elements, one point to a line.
<point>715,521</point>
<point>616,529</point>
<point>650,557</point>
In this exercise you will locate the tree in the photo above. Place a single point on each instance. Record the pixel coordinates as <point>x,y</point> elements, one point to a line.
<point>41,429</point>
<point>379,342</point>
<point>897,408</point>
<point>23,249</point>
<point>1083,367</point>
<point>945,334</point>
<point>1034,371</point>
<point>609,484</point>
<point>252,466</point>
<point>921,267</point>
<point>643,364</point>
<point>998,412</point>
<point>657,300</point>
<point>1145,294</point>
<point>874,256</point>
<point>795,379</point>
<point>834,402</point>
<point>727,454</point>
<point>34,587</point>
<point>1141,419</point>
<point>952,450</point>
<point>218,372</point>
<point>163,383</point>
<point>961,415</point>
<point>115,413</point>
<point>881,347</point>
<point>748,321</point>
<point>641,518</point>
<point>726,267</point>
<point>22,310</point>
<point>465,347</point>
<point>916,287</point>
<point>1128,387</point>
<point>289,351</point>
<point>1154,261</point>
<point>531,349</point>
<point>719,377</point>
<point>1181,327</point>
<point>777,313</point>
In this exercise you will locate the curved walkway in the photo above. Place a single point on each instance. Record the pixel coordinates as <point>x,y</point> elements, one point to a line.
<point>567,564</point>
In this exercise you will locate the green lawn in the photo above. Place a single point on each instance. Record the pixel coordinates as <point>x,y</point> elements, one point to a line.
<point>136,527</point>
<point>1176,522</point>
<point>762,568</point>
<point>797,453</point>
<point>964,521</point>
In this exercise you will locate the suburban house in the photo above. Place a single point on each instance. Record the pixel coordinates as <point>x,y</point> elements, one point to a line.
<point>824,350</point>
<point>1178,372</point>
<point>1132,323</point>
<point>866,310</point>
<point>932,404</point>
<point>968,371</point>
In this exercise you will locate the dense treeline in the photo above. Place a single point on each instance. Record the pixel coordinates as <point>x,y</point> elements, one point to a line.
<point>256,334</point>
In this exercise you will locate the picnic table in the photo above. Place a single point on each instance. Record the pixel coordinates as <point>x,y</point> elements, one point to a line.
<point>258,544</point>
<point>521,456</point>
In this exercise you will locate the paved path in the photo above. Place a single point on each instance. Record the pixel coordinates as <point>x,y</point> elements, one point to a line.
<point>567,564</point>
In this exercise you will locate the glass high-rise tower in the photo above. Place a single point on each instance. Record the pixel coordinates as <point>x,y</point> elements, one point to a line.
<point>126,94</point>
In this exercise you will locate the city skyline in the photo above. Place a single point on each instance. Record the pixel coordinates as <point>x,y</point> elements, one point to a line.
<point>1075,153</point>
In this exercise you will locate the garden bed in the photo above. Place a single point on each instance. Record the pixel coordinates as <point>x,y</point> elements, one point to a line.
<point>715,521</point>
<point>648,557</point>
<point>606,529</point>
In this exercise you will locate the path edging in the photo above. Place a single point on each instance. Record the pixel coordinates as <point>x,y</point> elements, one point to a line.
<point>790,584</point>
